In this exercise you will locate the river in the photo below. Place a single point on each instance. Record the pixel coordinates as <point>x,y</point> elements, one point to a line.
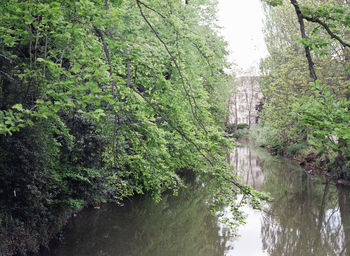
<point>308,215</point>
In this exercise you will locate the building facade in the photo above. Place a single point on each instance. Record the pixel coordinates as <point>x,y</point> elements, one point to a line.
<point>244,101</point>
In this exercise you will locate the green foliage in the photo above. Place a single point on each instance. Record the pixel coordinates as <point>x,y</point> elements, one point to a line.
<point>100,102</point>
<point>235,130</point>
<point>285,79</point>
<point>263,135</point>
<point>327,118</point>
<point>274,2</point>
<point>242,126</point>
<point>298,148</point>
<point>240,133</point>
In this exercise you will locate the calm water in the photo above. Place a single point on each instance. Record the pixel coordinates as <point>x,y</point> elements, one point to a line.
<point>308,216</point>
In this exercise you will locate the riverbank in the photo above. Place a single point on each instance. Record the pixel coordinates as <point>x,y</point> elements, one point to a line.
<point>314,163</point>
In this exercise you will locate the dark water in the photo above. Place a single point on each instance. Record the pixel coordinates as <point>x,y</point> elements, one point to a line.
<point>308,216</point>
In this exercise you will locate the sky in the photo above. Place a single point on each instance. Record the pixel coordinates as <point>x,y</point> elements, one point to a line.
<point>242,22</point>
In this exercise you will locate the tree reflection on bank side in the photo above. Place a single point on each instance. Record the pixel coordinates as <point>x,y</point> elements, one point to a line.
<point>308,216</point>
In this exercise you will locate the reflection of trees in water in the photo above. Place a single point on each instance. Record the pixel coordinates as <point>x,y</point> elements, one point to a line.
<point>247,165</point>
<point>304,218</point>
<point>176,226</point>
<point>344,206</point>
<point>307,217</point>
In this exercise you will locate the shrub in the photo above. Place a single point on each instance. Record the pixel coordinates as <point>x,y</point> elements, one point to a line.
<point>240,133</point>
<point>242,126</point>
<point>296,148</point>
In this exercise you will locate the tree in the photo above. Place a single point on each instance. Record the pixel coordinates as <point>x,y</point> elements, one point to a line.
<point>103,100</point>
<point>323,29</point>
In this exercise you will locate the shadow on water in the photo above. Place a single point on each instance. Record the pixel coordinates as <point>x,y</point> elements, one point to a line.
<point>179,225</point>
<point>307,216</point>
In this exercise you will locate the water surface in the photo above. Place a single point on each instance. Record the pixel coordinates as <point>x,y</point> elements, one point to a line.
<point>308,216</point>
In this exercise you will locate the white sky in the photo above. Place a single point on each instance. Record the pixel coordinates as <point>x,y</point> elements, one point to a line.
<point>242,22</point>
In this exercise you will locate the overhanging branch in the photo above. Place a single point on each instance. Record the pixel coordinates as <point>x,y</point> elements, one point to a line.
<point>303,35</point>
<point>326,27</point>
<point>189,96</point>
<point>166,119</point>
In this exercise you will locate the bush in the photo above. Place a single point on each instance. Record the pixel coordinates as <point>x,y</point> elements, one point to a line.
<point>242,126</point>
<point>240,133</point>
<point>297,148</point>
<point>232,128</point>
<point>44,178</point>
<point>262,136</point>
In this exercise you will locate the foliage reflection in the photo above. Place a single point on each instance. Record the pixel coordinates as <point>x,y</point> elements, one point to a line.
<point>179,225</point>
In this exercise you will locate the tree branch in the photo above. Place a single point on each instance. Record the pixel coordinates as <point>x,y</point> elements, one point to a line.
<point>6,58</point>
<point>148,7</point>
<point>106,5</point>
<point>61,59</point>
<point>176,65</point>
<point>326,27</point>
<point>7,75</point>
<point>166,119</point>
<point>303,35</point>
<point>195,45</point>
<point>114,84</point>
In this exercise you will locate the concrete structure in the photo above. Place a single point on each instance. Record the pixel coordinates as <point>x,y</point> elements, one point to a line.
<point>244,101</point>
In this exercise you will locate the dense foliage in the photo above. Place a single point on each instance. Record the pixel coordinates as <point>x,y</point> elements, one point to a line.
<point>102,100</point>
<point>307,42</point>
